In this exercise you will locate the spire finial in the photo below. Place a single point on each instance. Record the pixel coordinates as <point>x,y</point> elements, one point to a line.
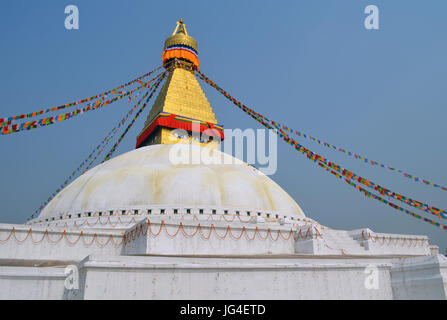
<point>180,28</point>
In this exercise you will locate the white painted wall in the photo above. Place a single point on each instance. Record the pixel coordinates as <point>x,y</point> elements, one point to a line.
<point>163,243</point>
<point>50,248</point>
<point>210,278</point>
<point>420,278</point>
<point>31,283</point>
<point>283,272</point>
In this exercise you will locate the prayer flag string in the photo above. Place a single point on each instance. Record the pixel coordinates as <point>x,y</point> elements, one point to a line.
<point>13,128</point>
<point>376,197</point>
<point>8,120</point>
<point>156,85</point>
<point>99,148</point>
<point>359,157</point>
<point>315,157</point>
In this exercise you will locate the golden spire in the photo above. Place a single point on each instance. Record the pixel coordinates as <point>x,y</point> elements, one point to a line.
<point>181,101</point>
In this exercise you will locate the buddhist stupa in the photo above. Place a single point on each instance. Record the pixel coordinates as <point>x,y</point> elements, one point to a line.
<point>146,179</point>
<point>142,226</point>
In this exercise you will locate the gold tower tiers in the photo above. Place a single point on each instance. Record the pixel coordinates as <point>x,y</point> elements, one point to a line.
<point>181,103</point>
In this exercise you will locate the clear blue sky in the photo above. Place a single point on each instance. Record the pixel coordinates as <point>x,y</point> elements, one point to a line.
<point>308,64</point>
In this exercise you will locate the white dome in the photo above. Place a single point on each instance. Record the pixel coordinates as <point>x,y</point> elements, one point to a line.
<point>148,178</point>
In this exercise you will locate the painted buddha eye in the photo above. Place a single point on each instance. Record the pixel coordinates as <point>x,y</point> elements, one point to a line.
<point>178,135</point>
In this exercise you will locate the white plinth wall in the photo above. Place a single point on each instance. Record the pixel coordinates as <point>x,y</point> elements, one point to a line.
<point>207,256</point>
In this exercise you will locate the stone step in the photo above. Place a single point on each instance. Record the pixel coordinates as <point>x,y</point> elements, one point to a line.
<point>341,240</point>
